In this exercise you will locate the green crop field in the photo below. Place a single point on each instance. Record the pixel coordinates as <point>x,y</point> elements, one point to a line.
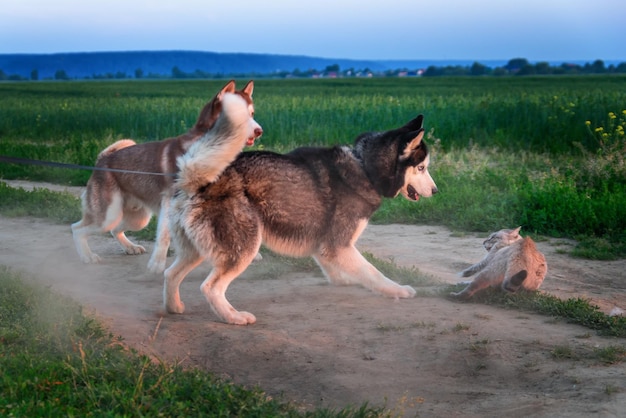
<point>546,153</point>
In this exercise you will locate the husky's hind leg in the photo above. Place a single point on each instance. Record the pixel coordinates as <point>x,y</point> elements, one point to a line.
<point>184,263</point>
<point>157,261</point>
<point>347,266</point>
<point>127,245</point>
<point>82,229</point>
<point>215,286</point>
<point>135,217</point>
<point>228,264</point>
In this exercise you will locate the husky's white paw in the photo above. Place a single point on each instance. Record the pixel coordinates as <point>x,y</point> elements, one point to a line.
<point>91,259</point>
<point>240,318</point>
<point>156,266</point>
<point>175,307</point>
<point>405,292</point>
<point>258,257</point>
<point>135,249</point>
<point>399,292</point>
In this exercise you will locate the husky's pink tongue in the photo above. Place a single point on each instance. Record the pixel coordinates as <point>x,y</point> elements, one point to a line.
<point>250,142</point>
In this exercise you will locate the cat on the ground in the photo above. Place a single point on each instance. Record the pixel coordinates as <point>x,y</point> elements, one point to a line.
<point>512,263</point>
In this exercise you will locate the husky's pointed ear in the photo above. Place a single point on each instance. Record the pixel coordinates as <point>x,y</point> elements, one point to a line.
<point>249,88</point>
<point>415,123</point>
<point>412,144</point>
<point>516,230</point>
<point>228,88</point>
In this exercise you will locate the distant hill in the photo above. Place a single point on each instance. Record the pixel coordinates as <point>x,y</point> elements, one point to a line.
<point>90,64</point>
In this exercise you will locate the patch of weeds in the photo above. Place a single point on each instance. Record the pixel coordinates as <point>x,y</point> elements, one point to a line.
<point>422,324</point>
<point>477,368</point>
<point>414,325</point>
<point>388,327</point>
<point>563,352</point>
<point>479,347</point>
<point>612,354</point>
<point>460,327</point>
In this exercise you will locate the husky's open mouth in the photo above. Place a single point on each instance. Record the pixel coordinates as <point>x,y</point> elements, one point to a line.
<point>250,141</point>
<point>412,193</point>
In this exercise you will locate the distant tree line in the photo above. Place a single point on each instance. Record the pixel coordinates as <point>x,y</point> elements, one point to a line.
<point>514,67</point>
<point>521,66</point>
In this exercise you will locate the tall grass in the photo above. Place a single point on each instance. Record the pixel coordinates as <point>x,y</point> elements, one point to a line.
<point>537,114</point>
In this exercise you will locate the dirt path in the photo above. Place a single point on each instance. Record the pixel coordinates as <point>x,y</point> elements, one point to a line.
<point>322,345</point>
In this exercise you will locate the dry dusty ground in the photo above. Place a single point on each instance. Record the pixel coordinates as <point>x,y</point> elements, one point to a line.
<point>321,345</point>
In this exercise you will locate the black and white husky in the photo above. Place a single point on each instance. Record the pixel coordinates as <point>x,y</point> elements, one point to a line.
<point>310,202</point>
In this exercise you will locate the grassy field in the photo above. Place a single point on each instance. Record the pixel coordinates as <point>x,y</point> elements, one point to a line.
<point>546,153</point>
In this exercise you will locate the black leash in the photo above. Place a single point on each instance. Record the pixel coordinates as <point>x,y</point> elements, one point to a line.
<point>16,160</point>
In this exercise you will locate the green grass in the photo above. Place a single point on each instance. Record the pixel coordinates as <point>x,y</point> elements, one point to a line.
<point>56,361</point>
<point>545,153</point>
<point>575,310</point>
<point>61,207</point>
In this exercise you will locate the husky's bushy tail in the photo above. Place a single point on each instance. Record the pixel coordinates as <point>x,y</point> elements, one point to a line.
<point>208,157</point>
<point>117,145</point>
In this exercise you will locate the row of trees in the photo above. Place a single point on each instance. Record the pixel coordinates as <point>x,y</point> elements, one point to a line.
<point>521,66</point>
<point>516,66</point>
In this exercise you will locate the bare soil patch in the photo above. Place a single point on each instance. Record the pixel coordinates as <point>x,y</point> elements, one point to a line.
<point>322,345</point>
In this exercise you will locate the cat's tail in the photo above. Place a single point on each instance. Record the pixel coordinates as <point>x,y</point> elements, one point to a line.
<point>513,284</point>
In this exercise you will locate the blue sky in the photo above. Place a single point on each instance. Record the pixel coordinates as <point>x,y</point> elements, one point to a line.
<point>551,30</point>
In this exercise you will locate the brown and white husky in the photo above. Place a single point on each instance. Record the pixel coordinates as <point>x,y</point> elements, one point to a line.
<point>118,201</point>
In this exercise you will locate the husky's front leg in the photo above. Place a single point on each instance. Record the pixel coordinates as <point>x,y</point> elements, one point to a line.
<point>347,266</point>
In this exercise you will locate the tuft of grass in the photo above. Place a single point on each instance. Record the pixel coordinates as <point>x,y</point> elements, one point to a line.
<point>563,352</point>
<point>612,354</point>
<point>407,275</point>
<point>460,327</point>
